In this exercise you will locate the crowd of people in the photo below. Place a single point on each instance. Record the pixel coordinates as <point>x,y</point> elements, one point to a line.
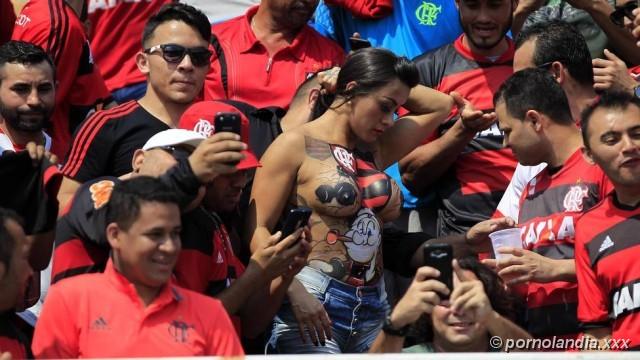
<point>273,177</point>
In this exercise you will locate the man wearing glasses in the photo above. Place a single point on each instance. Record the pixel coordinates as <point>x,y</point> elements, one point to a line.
<point>175,59</point>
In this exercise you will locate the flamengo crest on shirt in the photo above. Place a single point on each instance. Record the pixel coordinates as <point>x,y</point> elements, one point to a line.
<point>427,13</point>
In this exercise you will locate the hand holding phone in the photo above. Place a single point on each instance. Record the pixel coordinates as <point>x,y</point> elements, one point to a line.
<point>440,257</point>
<point>297,218</point>
<point>227,122</point>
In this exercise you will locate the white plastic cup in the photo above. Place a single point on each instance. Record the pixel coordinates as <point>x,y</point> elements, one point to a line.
<point>507,237</point>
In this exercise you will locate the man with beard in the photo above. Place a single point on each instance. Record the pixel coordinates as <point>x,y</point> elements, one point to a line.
<point>464,163</point>
<point>263,56</point>
<point>175,59</point>
<point>27,95</point>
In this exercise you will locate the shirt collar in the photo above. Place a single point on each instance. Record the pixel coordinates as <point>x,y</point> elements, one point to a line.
<point>167,295</point>
<point>249,40</point>
<point>505,58</point>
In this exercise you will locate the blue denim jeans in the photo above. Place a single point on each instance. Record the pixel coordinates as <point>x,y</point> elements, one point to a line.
<point>356,313</point>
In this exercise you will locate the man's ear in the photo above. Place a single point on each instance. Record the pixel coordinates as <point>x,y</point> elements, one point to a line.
<point>314,94</point>
<point>558,71</point>
<point>351,85</point>
<point>113,235</point>
<point>588,156</point>
<point>137,160</point>
<point>142,62</point>
<point>536,119</point>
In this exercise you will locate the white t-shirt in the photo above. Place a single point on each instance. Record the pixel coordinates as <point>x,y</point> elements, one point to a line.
<point>509,205</point>
<point>221,10</point>
<point>6,144</point>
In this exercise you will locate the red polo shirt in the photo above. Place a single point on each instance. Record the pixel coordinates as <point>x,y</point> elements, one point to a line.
<point>101,315</point>
<point>258,78</point>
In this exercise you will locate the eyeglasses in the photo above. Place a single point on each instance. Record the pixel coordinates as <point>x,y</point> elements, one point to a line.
<point>626,10</point>
<point>178,151</point>
<point>546,65</point>
<point>174,53</point>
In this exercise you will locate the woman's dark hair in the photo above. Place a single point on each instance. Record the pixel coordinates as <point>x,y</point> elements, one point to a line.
<point>501,301</point>
<point>371,69</point>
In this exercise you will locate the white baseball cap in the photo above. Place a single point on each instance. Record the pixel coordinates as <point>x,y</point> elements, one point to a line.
<point>173,137</point>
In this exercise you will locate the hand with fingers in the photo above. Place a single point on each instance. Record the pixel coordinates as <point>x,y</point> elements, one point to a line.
<point>313,321</point>
<point>471,119</point>
<point>478,236</point>
<point>328,80</point>
<point>612,74</point>
<point>5,356</point>
<point>38,152</point>
<point>423,295</point>
<point>217,155</point>
<point>469,296</point>
<point>522,266</point>
<point>282,257</point>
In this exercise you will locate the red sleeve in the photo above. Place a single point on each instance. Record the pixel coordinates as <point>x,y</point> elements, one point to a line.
<point>56,334</point>
<point>223,339</point>
<point>192,270</point>
<point>367,9</point>
<point>593,302</point>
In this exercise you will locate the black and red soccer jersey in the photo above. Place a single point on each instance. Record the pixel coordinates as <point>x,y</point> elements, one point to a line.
<point>472,187</point>
<point>115,34</point>
<point>104,144</point>
<point>12,340</point>
<point>54,26</point>
<point>207,263</point>
<point>81,244</point>
<point>608,271</point>
<point>549,207</point>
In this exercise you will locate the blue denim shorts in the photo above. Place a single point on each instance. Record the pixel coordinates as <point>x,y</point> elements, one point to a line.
<point>356,313</point>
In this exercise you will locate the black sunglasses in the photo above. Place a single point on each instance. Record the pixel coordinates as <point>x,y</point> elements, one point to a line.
<point>178,151</point>
<point>174,53</point>
<point>618,15</point>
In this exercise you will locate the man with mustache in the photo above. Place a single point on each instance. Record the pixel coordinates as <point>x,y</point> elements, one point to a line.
<point>263,56</point>
<point>463,165</point>
<point>27,95</point>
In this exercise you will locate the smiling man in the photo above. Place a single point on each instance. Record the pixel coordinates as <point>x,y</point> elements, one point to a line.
<point>134,308</point>
<point>606,242</point>
<point>465,167</point>
<point>175,59</point>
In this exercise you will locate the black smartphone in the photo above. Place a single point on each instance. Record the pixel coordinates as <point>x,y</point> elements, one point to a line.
<point>440,256</point>
<point>357,43</point>
<point>297,218</point>
<point>227,122</point>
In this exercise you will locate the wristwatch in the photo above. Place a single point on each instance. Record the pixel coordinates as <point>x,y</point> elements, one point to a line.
<point>388,328</point>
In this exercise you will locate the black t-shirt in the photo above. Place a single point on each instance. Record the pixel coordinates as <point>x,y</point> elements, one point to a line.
<point>30,190</point>
<point>104,144</point>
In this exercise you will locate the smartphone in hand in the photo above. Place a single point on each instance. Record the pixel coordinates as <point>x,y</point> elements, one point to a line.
<point>227,122</point>
<point>440,256</point>
<point>358,43</point>
<point>297,218</point>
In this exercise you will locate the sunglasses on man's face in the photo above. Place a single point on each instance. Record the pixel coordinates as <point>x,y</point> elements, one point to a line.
<point>178,151</point>
<point>174,53</point>
<point>626,10</point>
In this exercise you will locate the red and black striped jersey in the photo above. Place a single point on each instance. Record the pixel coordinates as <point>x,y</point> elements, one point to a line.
<point>549,206</point>
<point>207,263</point>
<point>54,26</point>
<point>472,187</point>
<point>12,340</point>
<point>607,269</point>
<point>104,144</point>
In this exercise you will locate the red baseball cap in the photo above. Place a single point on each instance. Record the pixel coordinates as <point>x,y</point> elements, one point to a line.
<point>199,117</point>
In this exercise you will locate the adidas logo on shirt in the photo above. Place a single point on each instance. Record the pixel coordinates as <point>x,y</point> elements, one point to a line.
<point>607,243</point>
<point>99,324</point>
<point>220,260</point>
